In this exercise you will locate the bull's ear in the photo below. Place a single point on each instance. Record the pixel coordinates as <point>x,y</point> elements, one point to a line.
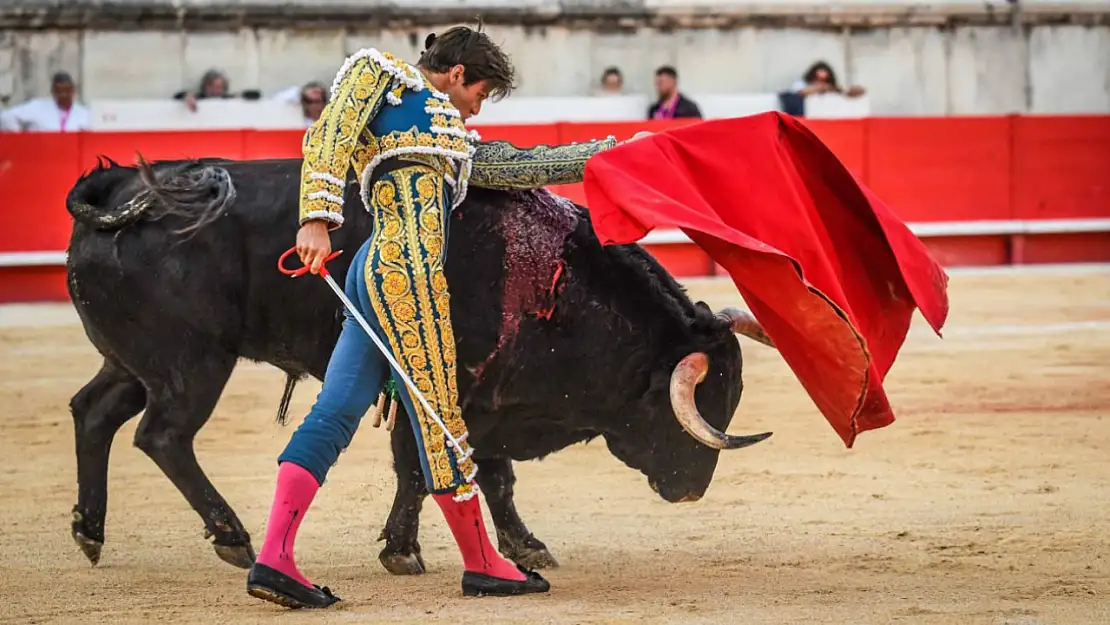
<point>706,319</point>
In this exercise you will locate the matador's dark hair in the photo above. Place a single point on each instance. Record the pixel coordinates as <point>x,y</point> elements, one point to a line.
<point>481,58</point>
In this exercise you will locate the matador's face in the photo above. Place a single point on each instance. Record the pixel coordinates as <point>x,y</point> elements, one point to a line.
<point>467,98</point>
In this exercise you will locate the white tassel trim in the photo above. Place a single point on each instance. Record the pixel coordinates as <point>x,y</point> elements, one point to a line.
<point>471,136</point>
<point>468,495</point>
<point>464,177</point>
<point>459,440</point>
<point>414,80</point>
<point>442,110</point>
<point>336,218</point>
<point>392,99</point>
<point>326,177</point>
<point>334,199</point>
<point>416,149</point>
<point>347,64</point>
<point>464,457</point>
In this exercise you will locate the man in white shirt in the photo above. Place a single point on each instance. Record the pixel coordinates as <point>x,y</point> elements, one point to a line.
<point>312,98</point>
<point>58,113</point>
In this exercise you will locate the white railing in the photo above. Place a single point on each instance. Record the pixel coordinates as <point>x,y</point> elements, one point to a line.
<point>123,115</point>
<point>134,115</point>
<point>937,229</point>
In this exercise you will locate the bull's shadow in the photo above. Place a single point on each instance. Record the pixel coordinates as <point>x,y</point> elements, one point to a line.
<point>172,269</point>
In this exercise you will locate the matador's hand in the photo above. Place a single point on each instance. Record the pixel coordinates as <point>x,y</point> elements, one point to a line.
<point>313,244</point>
<point>638,135</point>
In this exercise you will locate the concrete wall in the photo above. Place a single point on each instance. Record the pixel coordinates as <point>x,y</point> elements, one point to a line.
<point>908,70</point>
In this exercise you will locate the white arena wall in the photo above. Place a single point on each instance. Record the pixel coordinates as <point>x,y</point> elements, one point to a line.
<point>944,57</point>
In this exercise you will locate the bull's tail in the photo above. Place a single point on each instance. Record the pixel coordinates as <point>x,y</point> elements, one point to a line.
<point>87,199</point>
<point>198,192</point>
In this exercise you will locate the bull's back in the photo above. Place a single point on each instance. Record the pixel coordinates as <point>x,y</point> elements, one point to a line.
<point>147,285</point>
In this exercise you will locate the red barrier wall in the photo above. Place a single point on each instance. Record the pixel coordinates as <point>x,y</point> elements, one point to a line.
<point>926,169</point>
<point>942,169</point>
<point>1061,167</point>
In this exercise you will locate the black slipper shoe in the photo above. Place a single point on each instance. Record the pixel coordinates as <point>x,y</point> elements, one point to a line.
<point>479,584</point>
<point>274,586</point>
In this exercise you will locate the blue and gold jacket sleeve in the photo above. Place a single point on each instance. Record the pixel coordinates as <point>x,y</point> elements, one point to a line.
<point>332,140</point>
<point>501,165</point>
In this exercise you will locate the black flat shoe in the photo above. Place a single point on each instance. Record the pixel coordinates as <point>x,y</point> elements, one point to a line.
<point>274,586</point>
<point>479,584</point>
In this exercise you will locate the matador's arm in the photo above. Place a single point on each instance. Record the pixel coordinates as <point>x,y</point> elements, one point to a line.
<point>501,165</point>
<point>331,140</point>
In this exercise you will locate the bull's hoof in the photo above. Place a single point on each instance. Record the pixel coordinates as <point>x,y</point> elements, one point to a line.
<point>535,560</point>
<point>91,548</point>
<point>529,553</point>
<point>241,556</point>
<point>402,563</point>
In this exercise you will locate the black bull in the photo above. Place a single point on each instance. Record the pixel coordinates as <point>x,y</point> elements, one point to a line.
<point>172,269</point>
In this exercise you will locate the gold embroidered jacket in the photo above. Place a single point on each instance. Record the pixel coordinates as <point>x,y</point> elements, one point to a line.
<point>357,130</point>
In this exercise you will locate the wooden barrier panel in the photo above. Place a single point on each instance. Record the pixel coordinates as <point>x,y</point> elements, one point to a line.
<point>941,169</point>
<point>36,173</point>
<point>848,141</point>
<point>267,144</point>
<point>520,135</point>
<point>123,147</point>
<point>1061,167</point>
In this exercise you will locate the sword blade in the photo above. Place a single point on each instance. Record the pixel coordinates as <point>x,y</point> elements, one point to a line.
<point>389,356</point>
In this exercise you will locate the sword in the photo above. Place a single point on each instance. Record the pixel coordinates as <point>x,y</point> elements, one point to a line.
<point>293,273</point>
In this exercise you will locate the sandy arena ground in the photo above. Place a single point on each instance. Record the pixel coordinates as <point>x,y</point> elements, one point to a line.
<point>985,503</point>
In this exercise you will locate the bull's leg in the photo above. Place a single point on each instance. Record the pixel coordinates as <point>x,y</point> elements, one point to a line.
<point>401,554</point>
<point>174,415</point>
<point>108,401</point>
<point>514,541</point>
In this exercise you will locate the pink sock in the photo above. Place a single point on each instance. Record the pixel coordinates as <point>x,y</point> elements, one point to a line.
<point>296,488</point>
<point>479,555</point>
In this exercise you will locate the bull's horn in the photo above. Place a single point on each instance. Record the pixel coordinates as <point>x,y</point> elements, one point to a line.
<point>742,322</point>
<point>688,373</point>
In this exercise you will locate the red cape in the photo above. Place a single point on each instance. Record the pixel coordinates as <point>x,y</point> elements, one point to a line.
<point>829,271</point>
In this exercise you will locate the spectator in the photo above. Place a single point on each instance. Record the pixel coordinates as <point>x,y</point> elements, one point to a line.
<point>612,82</point>
<point>671,104</point>
<point>314,97</point>
<point>213,84</point>
<point>58,113</point>
<point>820,78</point>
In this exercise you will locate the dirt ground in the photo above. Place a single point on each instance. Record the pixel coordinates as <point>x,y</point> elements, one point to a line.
<point>985,503</point>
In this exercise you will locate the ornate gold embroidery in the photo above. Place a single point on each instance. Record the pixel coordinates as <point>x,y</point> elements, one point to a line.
<point>408,292</point>
<point>441,151</point>
<point>501,165</point>
<point>331,141</point>
<point>341,138</point>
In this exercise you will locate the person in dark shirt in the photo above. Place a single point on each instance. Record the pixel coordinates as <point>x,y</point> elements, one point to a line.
<point>671,104</point>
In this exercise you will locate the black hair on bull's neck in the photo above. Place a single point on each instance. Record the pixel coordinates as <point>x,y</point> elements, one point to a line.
<point>665,289</point>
